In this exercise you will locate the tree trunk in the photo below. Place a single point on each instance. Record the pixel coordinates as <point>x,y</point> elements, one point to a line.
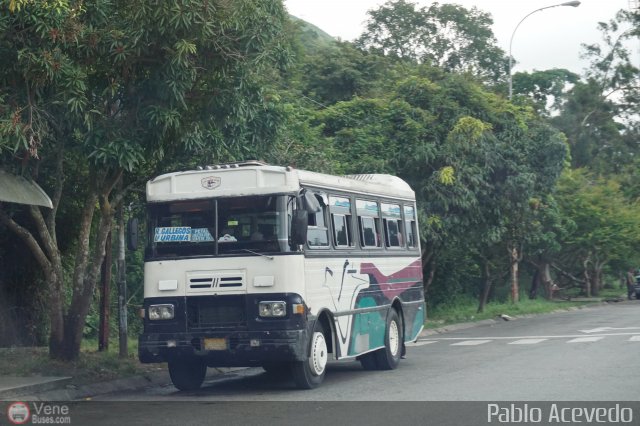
<point>587,277</point>
<point>428,261</point>
<point>599,278</point>
<point>105,299</point>
<point>535,285</point>
<point>545,277</point>
<point>83,291</point>
<point>122,287</point>
<point>45,251</point>
<point>430,276</point>
<point>486,288</point>
<point>56,309</point>
<point>514,260</point>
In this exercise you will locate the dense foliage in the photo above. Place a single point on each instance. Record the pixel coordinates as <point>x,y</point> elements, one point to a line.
<point>96,96</point>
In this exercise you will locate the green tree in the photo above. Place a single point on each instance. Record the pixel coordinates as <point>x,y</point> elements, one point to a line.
<point>444,35</point>
<point>600,113</point>
<point>547,89</point>
<point>116,88</point>
<point>589,121</point>
<point>341,72</point>
<point>474,160</point>
<point>606,227</point>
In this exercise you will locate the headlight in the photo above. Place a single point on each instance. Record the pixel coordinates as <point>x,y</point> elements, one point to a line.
<point>272,309</point>
<point>161,312</point>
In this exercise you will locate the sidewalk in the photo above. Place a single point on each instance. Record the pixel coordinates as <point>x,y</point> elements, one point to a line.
<point>60,389</point>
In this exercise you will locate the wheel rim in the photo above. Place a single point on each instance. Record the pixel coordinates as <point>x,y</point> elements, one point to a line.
<point>318,355</point>
<point>394,338</point>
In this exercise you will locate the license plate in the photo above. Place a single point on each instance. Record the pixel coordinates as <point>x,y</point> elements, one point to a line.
<point>215,344</point>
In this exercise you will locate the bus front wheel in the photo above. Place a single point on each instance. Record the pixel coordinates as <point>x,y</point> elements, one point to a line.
<point>309,373</point>
<point>187,374</point>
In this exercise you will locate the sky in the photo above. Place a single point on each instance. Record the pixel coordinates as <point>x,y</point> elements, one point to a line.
<point>551,38</point>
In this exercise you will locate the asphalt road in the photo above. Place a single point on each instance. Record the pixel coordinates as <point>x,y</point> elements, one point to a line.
<point>587,355</point>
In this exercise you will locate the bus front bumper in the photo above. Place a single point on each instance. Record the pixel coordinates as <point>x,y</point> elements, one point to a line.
<point>225,349</point>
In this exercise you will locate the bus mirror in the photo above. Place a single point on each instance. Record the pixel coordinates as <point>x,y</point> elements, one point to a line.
<point>311,203</point>
<point>299,225</point>
<point>132,234</point>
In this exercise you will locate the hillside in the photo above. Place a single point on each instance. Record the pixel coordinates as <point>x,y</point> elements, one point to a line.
<point>312,38</point>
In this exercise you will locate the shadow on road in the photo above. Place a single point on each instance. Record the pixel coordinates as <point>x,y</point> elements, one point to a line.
<point>256,380</point>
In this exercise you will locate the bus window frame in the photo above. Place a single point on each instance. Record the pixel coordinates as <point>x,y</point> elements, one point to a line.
<point>378,231</point>
<point>324,213</point>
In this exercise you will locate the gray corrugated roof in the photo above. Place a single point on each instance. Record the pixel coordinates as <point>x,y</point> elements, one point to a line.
<point>16,189</point>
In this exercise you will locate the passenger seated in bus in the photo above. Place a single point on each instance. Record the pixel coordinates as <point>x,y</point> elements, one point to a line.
<point>227,235</point>
<point>257,236</point>
<point>369,237</point>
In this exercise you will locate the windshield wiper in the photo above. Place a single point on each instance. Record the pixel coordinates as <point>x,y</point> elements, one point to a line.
<point>259,254</point>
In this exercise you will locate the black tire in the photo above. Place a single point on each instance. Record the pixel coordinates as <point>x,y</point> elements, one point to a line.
<point>187,374</point>
<point>388,357</point>
<point>309,374</point>
<point>369,361</point>
<point>276,368</point>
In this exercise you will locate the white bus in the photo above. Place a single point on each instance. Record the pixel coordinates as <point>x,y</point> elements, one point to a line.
<point>249,264</point>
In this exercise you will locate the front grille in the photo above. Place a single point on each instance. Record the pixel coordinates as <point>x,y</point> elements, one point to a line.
<point>201,281</point>
<point>216,312</point>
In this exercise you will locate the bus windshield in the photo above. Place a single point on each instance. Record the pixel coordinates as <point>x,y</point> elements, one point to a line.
<point>239,225</point>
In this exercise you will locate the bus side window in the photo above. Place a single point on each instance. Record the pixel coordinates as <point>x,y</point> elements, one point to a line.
<point>410,226</point>
<point>369,223</point>
<point>342,230</point>
<point>392,233</point>
<point>318,232</point>
<point>392,225</point>
<point>369,232</point>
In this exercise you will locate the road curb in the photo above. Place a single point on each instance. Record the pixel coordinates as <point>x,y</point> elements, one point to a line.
<point>456,327</point>
<point>72,392</point>
<point>21,386</point>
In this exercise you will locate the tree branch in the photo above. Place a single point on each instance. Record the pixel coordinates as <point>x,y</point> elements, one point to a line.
<point>27,238</point>
<point>566,274</point>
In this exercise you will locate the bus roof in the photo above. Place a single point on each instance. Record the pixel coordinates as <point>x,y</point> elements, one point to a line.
<point>255,178</point>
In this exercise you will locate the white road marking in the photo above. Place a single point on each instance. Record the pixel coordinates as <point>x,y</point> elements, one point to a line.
<point>421,343</point>
<point>470,343</point>
<point>586,339</point>
<point>634,339</point>
<point>601,329</point>
<point>568,336</point>
<point>527,341</point>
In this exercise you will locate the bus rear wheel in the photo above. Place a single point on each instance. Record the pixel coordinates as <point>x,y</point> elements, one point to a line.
<point>187,374</point>
<point>388,357</point>
<point>310,373</point>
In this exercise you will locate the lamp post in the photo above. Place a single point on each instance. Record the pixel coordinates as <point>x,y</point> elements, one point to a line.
<point>568,3</point>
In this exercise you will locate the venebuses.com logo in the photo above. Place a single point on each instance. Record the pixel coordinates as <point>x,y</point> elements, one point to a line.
<point>18,413</point>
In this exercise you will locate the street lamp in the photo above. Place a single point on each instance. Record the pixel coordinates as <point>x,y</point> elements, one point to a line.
<point>568,3</point>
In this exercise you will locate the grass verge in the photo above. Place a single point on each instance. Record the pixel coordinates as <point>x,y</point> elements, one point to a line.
<point>465,310</point>
<point>91,367</point>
